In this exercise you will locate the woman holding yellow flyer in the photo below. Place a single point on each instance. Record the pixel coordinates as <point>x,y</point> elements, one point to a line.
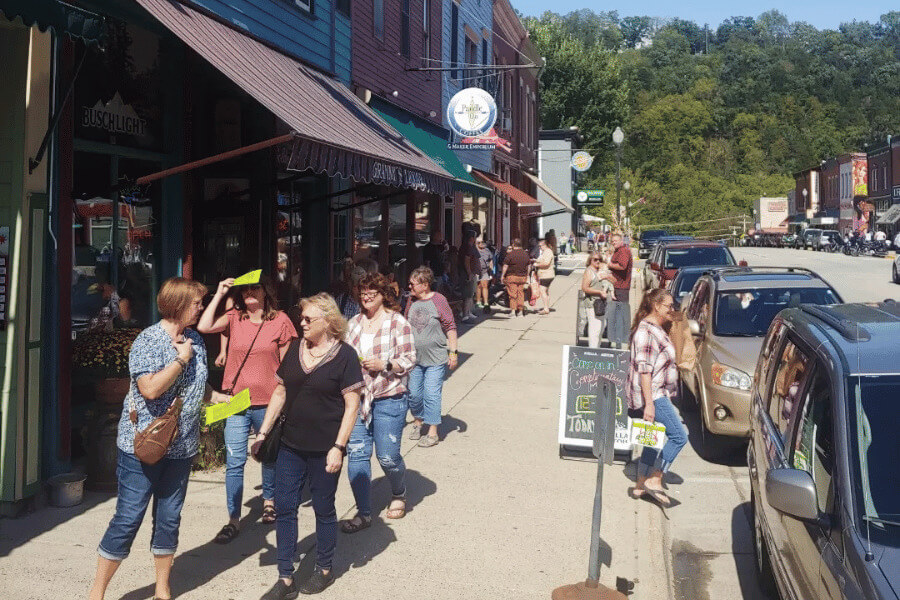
<point>652,383</point>
<point>258,337</point>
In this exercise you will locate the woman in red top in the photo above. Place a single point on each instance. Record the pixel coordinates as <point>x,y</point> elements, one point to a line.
<point>258,336</point>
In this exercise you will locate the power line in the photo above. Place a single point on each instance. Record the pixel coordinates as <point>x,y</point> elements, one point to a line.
<point>734,217</point>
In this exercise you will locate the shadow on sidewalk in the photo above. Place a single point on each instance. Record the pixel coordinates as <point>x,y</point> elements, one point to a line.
<point>716,449</point>
<point>18,531</point>
<point>450,424</point>
<point>742,552</point>
<point>198,566</point>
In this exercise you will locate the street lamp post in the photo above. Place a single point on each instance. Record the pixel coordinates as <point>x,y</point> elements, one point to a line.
<point>627,219</point>
<point>618,137</point>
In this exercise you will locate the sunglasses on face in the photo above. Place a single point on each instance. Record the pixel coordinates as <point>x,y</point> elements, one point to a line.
<point>308,320</point>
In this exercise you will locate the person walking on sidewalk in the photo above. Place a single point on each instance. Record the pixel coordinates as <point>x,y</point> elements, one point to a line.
<point>596,286</point>
<point>317,390</point>
<point>652,383</point>
<point>468,271</point>
<point>167,362</point>
<point>485,274</point>
<point>619,311</point>
<point>383,339</point>
<point>258,336</point>
<point>544,266</point>
<point>514,275</point>
<point>434,331</point>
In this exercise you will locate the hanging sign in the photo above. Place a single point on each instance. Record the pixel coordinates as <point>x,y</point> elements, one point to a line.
<point>472,113</point>
<point>582,161</point>
<point>589,197</point>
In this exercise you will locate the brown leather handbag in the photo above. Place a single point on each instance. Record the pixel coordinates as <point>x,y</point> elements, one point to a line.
<point>151,444</point>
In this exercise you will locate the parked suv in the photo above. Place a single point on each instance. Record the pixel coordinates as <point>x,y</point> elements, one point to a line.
<point>648,241</point>
<point>823,453</point>
<point>668,257</point>
<point>729,314</point>
<point>810,237</point>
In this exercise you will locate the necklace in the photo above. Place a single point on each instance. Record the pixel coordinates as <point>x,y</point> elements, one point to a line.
<point>310,352</point>
<point>372,325</point>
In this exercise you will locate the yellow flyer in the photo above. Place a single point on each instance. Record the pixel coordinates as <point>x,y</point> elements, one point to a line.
<point>239,402</point>
<point>250,278</point>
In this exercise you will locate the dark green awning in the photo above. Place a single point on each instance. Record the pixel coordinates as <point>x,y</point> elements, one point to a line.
<point>58,16</point>
<point>432,145</point>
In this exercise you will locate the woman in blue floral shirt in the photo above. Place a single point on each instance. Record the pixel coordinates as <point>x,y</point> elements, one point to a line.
<point>167,360</point>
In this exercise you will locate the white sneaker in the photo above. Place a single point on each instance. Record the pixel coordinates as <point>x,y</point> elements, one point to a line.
<point>472,316</point>
<point>467,318</point>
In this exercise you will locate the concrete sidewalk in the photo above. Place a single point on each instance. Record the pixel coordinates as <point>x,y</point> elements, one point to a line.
<point>494,513</point>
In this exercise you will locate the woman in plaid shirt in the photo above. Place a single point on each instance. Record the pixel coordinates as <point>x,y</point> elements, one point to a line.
<point>652,383</point>
<point>383,339</point>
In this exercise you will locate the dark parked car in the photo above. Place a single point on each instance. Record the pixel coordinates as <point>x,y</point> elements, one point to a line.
<point>668,257</point>
<point>823,453</point>
<point>684,282</point>
<point>649,239</point>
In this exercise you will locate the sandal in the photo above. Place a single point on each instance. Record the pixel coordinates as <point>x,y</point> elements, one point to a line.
<point>637,492</point>
<point>428,441</point>
<point>357,523</point>
<point>268,516</point>
<point>226,534</point>
<point>397,512</point>
<point>659,496</point>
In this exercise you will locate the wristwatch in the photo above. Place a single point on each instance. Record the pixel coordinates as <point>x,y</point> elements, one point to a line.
<point>387,366</point>
<point>343,449</point>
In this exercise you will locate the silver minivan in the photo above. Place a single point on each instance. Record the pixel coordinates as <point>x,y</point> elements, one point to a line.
<point>824,453</point>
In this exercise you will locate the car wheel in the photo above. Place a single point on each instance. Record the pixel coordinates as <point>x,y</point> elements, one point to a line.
<point>764,572</point>
<point>686,399</point>
<point>896,274</point>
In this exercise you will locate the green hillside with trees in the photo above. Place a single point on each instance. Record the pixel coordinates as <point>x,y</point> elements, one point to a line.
<point>715,118</point>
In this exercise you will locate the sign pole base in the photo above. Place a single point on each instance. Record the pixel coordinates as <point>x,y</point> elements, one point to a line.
<point>586,590</point>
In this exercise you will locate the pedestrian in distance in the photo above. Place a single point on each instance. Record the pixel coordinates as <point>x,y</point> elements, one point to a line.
<point>485,274</point>
<point>596,285</point>
<point>514,276</point>
<point>652,383</point>
<point>383,339</point>
<point>317,391</point>
<point>468,271</point>
<point>619,311</point>
<point>434,331</point>
<point>167,363</point>
<point>544,266</point>
<point>258,337</point>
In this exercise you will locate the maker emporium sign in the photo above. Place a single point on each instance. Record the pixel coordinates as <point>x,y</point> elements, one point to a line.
<point>115,117</point>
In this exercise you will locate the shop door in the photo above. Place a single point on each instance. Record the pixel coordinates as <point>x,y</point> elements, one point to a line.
<point>289,265</point>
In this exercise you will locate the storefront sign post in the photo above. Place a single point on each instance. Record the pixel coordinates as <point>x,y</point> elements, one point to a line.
<point>604,450</point>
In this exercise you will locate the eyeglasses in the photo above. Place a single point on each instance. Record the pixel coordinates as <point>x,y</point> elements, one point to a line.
<point>308,320</point>
<point>369,294</point>
<point>595,260</point>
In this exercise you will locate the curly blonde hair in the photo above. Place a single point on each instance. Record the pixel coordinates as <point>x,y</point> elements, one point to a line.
<point>337,324</point>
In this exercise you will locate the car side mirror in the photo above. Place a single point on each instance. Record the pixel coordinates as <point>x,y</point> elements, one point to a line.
<point>694,326</point>
<point>743,263</point>
<point>654,266</point>
<point>792,492</point>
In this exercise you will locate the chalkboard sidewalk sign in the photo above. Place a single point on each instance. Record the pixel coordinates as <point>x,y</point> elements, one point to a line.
<point>584,370</point>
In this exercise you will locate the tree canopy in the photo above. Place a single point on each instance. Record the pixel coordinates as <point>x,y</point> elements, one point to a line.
<point>715,118</point>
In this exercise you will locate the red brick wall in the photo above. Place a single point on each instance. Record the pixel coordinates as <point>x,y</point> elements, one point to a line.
<point>380,67</point>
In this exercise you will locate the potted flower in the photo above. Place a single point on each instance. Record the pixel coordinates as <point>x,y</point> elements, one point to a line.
<point>102,358</point>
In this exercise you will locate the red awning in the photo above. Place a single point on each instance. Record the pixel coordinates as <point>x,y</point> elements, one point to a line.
<point>335,132</point>
<point>507,189</point>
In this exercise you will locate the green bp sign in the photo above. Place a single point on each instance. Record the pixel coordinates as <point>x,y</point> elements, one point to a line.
<point>589,197</point>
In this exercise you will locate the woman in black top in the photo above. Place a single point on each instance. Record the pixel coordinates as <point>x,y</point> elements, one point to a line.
<point>319,385</point>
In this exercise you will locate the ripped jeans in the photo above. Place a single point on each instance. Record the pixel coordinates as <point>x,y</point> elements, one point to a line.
<point>384,433</point>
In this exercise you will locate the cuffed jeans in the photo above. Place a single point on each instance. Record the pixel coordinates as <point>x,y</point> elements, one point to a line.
<point>166,483</point>
<point>237,430</point>
<point>292,469</point>
<point>384,433</point>
<point>676,438</point>
<point>426,384</point>
<point>618,325</point>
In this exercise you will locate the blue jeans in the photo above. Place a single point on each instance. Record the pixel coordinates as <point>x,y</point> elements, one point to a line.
<point>425,386</point>
<point>618,322</point>
<point>237,430</point>
<point>166,483</point>
<point>292,470</point>
<point>676,438</point>
<point>384,433</point>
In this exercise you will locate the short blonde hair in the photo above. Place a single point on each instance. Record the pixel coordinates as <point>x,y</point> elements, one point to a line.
<point>337,324</point>
<point>176,295</point>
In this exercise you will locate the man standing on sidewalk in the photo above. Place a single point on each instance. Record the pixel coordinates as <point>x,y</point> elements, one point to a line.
<point>619,319</point>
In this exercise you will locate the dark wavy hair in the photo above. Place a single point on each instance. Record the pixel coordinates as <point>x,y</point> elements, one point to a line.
<point>381,284</point>
<point>270,301</point>
<point>650,300</point>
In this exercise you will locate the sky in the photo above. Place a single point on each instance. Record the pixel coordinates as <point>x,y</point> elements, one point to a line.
<point>823,14</point>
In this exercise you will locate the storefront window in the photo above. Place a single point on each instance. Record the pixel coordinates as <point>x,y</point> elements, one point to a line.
<point>366,230</point>
<point>397,254</point>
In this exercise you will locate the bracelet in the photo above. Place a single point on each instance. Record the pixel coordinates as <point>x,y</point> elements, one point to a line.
<point>343,449</point>
<point>181,362</point>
